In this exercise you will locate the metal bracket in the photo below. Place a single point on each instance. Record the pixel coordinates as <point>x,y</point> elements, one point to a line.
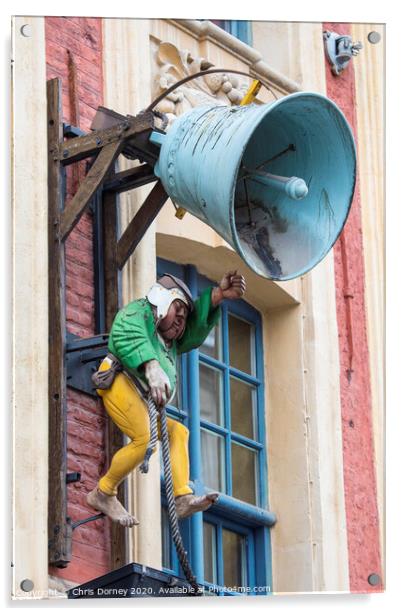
<point>82,359</point>
<point>339,50</point>
<point>92,518</point>
<point>73,477</point>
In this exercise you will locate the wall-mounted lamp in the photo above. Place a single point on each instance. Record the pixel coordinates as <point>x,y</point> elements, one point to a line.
<point>339,50</point>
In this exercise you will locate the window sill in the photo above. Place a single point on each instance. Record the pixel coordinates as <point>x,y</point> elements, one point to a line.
<point>240,511</point>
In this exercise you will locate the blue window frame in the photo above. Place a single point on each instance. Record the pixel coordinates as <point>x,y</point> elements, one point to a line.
<point>241,29</point>
<point>220,399</point>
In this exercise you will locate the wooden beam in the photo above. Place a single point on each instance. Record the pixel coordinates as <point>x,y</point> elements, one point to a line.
<point>88,188</point>
<point>130,178</point>
<point>89,145</point>
<point>115,438</point>
<point>110,225</point>
<point>58,546</point>
<point>140,223</point>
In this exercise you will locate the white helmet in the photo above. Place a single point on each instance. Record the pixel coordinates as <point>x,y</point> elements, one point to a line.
<point>165,291</point>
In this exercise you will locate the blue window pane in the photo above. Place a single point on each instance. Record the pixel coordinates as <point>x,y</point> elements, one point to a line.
<point>234,560</point>
<point>212,344</point>
<point>166,556</point>
<point>244,467</point>
<point>241,345</point>
<point>213,460</point>
<point>210,556</point>
<point>243,408</point>
<point>211,401</point>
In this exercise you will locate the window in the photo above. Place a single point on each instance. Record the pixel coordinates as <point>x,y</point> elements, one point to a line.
<point>220,398</point>
<point>241,29</point>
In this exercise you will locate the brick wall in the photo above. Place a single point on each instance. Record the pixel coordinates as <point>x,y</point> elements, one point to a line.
<point>74,53</point>
<point>357,435</point>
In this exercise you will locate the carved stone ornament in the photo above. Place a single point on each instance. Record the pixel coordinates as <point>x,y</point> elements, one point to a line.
<point>216,89</point>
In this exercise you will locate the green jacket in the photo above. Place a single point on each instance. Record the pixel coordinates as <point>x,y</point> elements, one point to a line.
<point>134,340</point>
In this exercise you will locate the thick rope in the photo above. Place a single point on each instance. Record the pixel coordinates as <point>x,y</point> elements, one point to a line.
<point>173,520</point>
<point>153,421</point>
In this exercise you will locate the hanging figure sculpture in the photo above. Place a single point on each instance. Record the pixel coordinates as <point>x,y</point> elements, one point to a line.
<point>145,339</point>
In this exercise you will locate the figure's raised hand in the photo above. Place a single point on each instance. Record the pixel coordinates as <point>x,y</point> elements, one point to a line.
<point>232,286</point>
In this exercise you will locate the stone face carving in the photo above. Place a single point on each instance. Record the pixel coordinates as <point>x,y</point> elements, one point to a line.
<point>174,64</point>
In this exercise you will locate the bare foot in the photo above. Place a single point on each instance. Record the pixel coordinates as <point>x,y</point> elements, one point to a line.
<point>187,504</point>
<point>110,506</point>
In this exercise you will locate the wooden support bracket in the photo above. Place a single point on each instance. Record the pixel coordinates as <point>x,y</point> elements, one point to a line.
<point>88,188</point>
<point>140,223</point>
<point>78,148</point>
<point>130,178</point>
<point>130,136</point>
<point>57,517</point>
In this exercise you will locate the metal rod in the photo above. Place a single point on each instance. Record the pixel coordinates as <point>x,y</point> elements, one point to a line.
<point>294,187</point>
<point>291,148</point>
<point>201,74</point>
<point>92,518</point>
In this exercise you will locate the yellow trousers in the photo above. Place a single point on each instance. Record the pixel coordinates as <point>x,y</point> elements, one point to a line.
<point>130,413</point>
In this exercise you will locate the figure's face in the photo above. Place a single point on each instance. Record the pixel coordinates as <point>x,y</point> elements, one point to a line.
<point>174,323</point>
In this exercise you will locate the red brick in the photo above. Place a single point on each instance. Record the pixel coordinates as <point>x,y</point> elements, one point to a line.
<point>57,69</point>
<point>355,394</point>
<point>88,96</point>
<point>79,511</point>
<point>84,570</point>
<point>88,475</point>
<point>81,256</point>
<point>88,306</point>
<point>89,535</point>
<point>86,418</point>
<point>84,273</point>
<point>83,231</point>
<point>86,30</point>
<point>72,298</point>
<point>79,241</point>
<point>83,416</point>
<point>91,472</point>
<point>73,43</point>
<point>77,330</point>
<point>88,86</point>
<point>77,315</point>
<point>85,449</point>
<point>86,116</point>
<point>57,53</point>
<point>85,223</point>
<point>85,401</point>
<point>89,552</point>
<point>82,432</point>
<point>79,286</point>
